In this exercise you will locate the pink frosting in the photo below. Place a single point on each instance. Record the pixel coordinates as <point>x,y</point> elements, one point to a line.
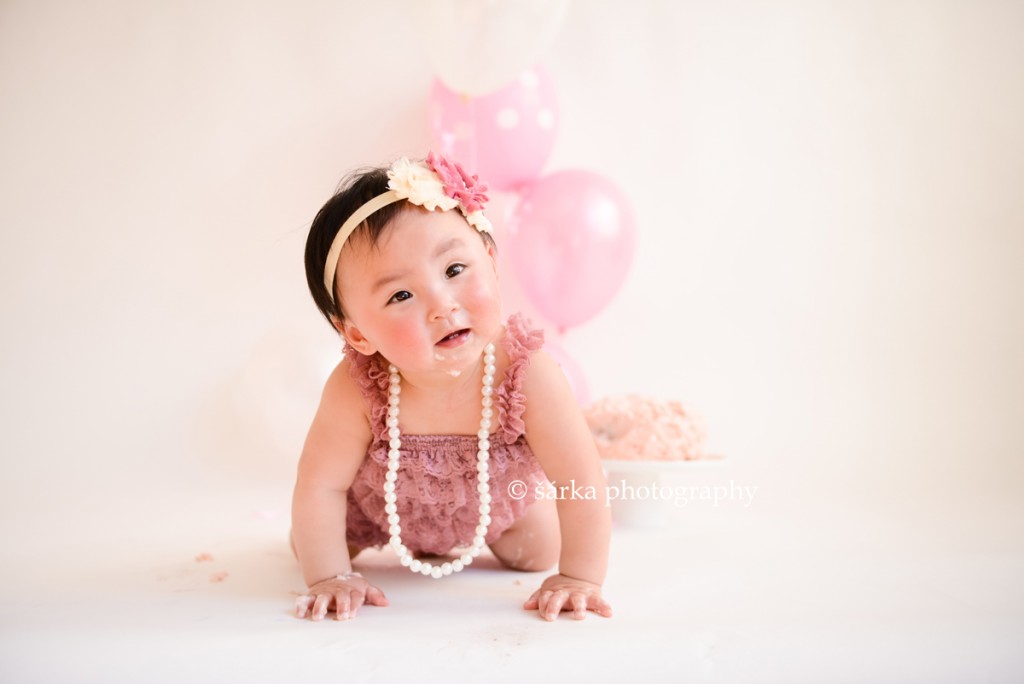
<point>635,428</point>
<point>437,495</point>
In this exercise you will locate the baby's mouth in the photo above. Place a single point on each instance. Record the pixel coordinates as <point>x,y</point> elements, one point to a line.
<point>454,339</point>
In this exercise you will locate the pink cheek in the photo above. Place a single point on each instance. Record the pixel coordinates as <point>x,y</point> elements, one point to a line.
<point>405,331</point>
<point>481,292</point>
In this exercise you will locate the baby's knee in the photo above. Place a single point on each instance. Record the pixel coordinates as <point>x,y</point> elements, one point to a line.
<point>532,543</point>
<point>531,560</point>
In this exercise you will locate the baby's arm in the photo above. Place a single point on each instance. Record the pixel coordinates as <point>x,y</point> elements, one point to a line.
<point>560,438</point>
<point>334,449</point>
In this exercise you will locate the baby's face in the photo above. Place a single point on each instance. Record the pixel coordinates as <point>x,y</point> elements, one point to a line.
<point>425,296</point>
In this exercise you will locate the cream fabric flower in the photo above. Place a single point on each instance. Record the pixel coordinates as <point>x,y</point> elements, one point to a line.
<point>479,221</point>
<point>419,185</point>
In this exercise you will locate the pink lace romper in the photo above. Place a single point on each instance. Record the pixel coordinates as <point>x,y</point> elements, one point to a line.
<point>437,495</point>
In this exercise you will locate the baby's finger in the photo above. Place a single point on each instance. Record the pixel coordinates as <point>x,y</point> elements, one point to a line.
<point>554,605</point>
<point>320,606</point>
<point>533,602</point>
<point>579,605</point>
<point>342,605</point>
<point>600,606</point>
<point>542,600</point>
<point>357,601</point>
<point>375,597</point>
<point>302,604</point>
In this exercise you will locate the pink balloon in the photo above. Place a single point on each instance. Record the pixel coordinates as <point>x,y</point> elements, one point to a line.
<point>506,137</point>
<point>571,243</point>
<point>573,373</point>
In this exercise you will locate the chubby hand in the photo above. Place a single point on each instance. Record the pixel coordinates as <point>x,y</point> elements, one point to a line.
<point>560,592</point>
<point>345,593</point>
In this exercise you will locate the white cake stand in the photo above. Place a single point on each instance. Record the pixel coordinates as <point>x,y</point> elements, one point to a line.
<point>648,493</point>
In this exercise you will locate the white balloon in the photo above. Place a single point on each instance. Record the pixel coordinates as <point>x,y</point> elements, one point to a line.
<point>479,46</point>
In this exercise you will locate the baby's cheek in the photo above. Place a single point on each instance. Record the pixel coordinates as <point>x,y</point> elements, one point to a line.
<point>483,294</point>
<point>406,332</point>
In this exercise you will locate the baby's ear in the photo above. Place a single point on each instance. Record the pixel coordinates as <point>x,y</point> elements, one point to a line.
<point>354,337</point>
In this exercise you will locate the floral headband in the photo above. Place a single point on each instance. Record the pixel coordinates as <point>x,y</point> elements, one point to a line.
<point>438,183</point>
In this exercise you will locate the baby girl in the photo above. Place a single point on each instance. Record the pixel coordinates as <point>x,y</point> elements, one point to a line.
<point>443,422</point>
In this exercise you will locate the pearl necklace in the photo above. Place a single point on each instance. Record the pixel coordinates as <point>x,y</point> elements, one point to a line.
<point>482,456</point>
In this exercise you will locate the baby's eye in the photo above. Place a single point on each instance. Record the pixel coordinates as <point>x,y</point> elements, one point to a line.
<point>454,270</point>
<point>400,296</point>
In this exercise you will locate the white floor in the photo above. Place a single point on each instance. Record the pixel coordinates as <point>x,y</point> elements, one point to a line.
<point>733,593</point>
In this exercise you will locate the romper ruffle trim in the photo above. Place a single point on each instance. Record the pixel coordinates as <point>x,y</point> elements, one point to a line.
<point>437,486</point>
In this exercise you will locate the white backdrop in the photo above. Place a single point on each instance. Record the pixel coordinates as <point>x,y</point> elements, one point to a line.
<point>827,194</point>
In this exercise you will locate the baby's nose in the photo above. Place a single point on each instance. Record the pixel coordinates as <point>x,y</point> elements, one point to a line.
<point>444,306</point>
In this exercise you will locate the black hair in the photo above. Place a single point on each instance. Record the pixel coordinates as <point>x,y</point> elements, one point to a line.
<point>355,190</point>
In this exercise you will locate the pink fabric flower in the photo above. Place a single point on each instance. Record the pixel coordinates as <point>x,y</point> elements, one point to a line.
<point>468,189</point>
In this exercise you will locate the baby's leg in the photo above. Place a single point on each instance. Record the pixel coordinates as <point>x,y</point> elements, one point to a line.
<point>532,543</point>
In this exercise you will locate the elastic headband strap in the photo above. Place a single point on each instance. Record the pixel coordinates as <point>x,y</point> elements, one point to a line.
<point>360,215</point>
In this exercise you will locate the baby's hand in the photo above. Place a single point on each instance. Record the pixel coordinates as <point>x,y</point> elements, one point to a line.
<point>559,593</point>
<point>345,593</point>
